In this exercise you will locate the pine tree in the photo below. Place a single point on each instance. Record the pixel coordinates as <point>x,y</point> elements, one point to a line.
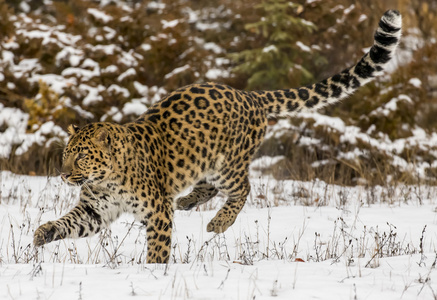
<point>271,65</point>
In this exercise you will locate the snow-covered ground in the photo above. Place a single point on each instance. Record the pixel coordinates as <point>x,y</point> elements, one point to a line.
<point>293,240</point>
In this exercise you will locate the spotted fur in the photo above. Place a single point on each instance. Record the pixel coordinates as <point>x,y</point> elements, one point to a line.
<point>203,135</point>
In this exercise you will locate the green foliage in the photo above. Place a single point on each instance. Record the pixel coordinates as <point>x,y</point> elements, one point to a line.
<point>160,46</point>
<point>270,64</point>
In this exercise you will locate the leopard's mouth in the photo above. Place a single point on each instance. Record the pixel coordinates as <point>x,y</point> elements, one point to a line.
<point>74,179</point>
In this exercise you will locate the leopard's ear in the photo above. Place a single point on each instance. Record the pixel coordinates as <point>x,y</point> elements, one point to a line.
<point>103,137</point>
<point>72,129</point>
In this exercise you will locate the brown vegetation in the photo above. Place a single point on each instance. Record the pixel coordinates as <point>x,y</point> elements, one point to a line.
<point>140,50</point>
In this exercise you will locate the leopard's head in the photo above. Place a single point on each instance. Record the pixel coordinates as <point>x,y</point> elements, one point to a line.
<point>87,157</point>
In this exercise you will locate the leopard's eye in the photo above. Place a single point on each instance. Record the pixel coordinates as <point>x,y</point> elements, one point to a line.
<point>81,155</point>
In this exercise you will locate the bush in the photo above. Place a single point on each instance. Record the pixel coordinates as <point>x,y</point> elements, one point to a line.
<point>80,62</point>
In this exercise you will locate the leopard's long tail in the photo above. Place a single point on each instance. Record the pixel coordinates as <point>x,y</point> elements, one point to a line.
<point>339,86</point>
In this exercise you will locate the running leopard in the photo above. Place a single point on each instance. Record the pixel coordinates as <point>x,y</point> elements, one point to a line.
<point>201,135</point>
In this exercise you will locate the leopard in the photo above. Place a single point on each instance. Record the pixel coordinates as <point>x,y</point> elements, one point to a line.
<point>202,136</point>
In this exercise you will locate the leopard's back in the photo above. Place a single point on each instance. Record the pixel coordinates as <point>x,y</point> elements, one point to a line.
<point>206,128</point>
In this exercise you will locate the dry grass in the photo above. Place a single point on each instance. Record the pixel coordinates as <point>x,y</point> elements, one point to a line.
<point>110,250</point>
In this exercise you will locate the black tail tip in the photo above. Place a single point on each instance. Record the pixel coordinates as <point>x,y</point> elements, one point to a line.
<point>391,21</point>
<point>393,16</point>
<point>392,13</point>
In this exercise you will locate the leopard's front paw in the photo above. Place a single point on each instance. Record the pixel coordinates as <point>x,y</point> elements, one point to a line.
<point>44,234</point>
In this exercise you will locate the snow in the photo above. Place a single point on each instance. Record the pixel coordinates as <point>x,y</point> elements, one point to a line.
<point>24,6</point>
<point>7,57</point>
<point>177,71</point>
<point>308,23</point>
<point>156,5</point>
<point>126,19</point>
<point>169,24</point>
<point>110,69</point>
<point>81,73</point>
<point>288,220</point>
<point>107,49</point>
<point>362,18</point>
<point>323,120</point>
<point>375,141</point>
<point>10,44</point>
<point>303,47</point>
<point>128,59</point>
<point>25,66</point>
<point>351,155</point>
<point>15,122</point>
<point>92,94</point>
<point>279,247</point>
<point>89,63</point>
<point>110,33</point>
<point>15,135</point>
<point>201,26</point>
<point>48,35</point>
<point>337,7</point>
<point>99,15</point>
<point>214,74</point>
<point>416,82</point>
<point>213,47</point>
<point>141,88</point>
<point>135,107</point>
<point>56,83</point>
<point>265,162</point>
<point>220,61</point>
<point>277,130</point>
<point>73,55</point>
<point>116,89</point>
<point>349,9</point>
<point>129,72</point>
<point>320,163</point>
<point>146,47</point>
<point>82,113</point>
<point>392,105</point>
<point>158,93</point>
<point>270,48</point>
<point>114,113</point>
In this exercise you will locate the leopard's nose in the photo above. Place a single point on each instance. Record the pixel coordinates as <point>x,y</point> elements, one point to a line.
<point>64,176</point>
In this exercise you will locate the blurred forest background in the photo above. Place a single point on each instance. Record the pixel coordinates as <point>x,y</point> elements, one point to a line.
<point>79,61</point>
